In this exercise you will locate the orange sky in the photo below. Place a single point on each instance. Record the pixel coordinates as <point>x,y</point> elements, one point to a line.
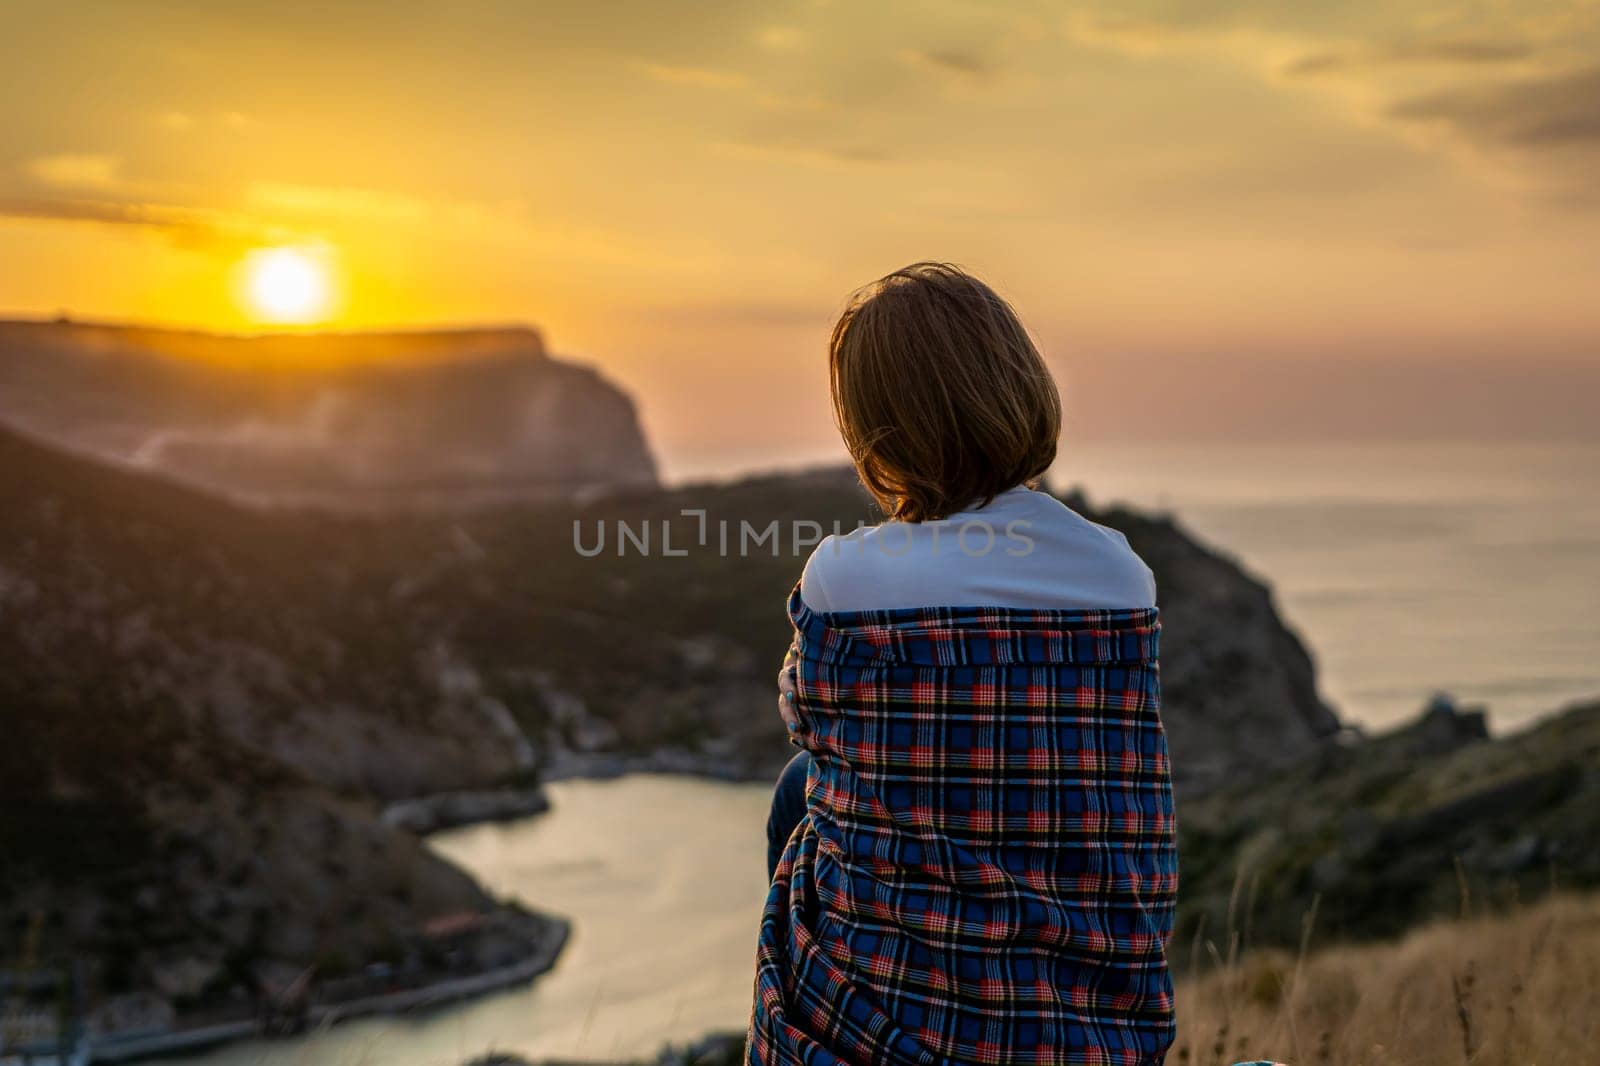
<point>683,192</point>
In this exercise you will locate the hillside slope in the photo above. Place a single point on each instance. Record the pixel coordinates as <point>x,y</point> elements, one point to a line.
<point>1369,838</point>
<point>193,750</point>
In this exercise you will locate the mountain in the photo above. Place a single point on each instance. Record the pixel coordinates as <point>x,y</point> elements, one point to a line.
<point>350,421</point>
<point>1238,687</point>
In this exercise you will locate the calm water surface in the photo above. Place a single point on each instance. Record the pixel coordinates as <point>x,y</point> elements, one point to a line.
<point>663,879</point>
<point>1406,569</point>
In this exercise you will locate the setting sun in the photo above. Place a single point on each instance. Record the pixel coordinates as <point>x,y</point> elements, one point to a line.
<point>291,286</point>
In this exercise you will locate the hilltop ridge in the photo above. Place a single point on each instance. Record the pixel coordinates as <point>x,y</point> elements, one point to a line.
<point>278,349</point>
<point>345,421</point>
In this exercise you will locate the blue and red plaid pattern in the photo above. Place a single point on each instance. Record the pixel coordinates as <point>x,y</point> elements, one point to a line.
<point>987,868</point>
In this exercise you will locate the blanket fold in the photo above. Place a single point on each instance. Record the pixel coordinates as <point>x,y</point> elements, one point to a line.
<point>987,868</point>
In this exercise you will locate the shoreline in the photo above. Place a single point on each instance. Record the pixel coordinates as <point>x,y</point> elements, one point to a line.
<point>424,816</point>
<point>421,998</point>
<point>572,766</point>
<point>440,812</point>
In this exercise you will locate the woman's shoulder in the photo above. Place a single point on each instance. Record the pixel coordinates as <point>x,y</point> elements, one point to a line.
<point>847,560</point>
<point>1026,549</point>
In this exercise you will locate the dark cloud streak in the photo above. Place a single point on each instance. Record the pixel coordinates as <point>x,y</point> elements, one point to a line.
<point>1460,52</point>
<point>949,61</point>
<point>186,227</point>
<point>1551,112</point>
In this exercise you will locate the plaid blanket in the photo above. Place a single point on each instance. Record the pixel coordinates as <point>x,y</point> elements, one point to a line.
<point>987,868</point>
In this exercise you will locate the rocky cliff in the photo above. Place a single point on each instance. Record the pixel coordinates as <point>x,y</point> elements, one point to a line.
<point>351,421</point>
<point>1238,688</point>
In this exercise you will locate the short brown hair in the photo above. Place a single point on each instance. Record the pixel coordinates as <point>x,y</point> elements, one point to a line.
<point>941,396</point>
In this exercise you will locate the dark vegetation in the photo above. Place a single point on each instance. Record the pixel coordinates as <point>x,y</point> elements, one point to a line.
<point>1370,838</point>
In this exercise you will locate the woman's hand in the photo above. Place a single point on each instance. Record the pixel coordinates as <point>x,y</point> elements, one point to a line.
<point>786,697</point>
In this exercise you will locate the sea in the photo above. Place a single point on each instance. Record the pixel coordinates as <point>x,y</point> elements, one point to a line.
<point>1408,569</point>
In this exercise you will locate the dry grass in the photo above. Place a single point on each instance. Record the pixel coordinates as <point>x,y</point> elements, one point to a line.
<point>1521,988</point>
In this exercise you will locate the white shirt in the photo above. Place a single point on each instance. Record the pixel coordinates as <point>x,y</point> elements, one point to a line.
<point>1025,549</point>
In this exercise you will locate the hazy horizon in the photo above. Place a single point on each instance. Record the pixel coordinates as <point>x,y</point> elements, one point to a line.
<point>1251,400</point>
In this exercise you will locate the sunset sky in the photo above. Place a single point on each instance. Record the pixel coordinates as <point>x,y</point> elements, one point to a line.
<point>1275,193</point>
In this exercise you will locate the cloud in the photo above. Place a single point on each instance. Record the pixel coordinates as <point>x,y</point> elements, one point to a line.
<point>809,104</point>
<point>186,121</point>
<point>1551,112</point>
<point>75,171</point>
<point>187,227</point>
<point>312,209</point>
<point>1130,35</point>
<point>959,63</point>
<point>1468,52</point>
<point>1491,84</point>
<point>821,155</point>
<point>343,201</point>
<point>699,76</point>
<point>782,38</point>
<point>1258,49</point>
<point>754,315</point>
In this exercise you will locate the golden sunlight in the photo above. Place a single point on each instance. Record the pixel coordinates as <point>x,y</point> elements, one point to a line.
<point>287,286</point>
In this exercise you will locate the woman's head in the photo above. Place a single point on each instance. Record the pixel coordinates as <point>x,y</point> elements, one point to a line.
<point>942,398</point>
